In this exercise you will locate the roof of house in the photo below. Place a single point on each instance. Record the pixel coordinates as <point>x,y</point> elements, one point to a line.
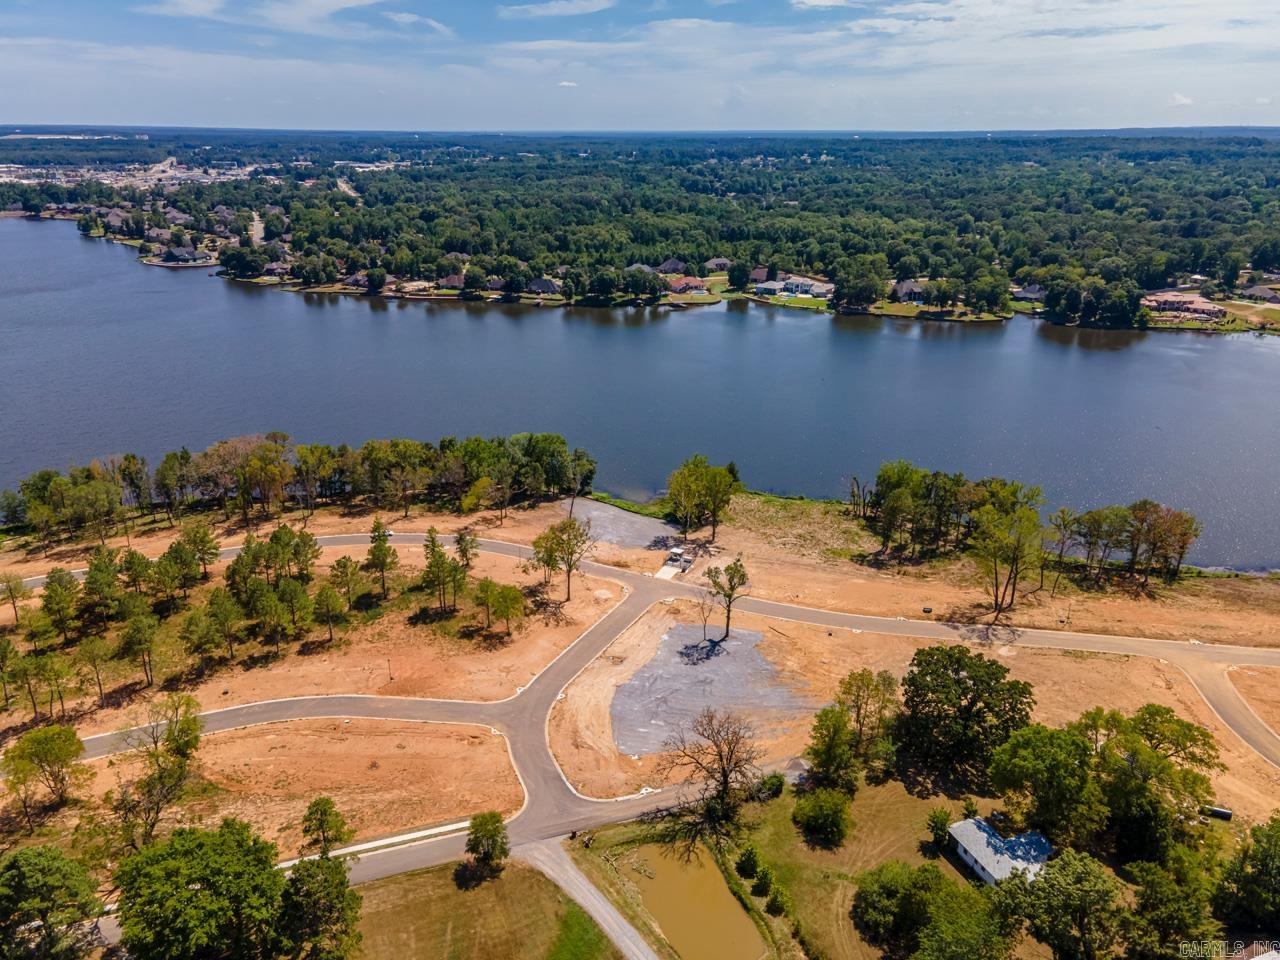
<point>453,281</point>
<point>718,262</point>
<point>999,856</point>
<point>687,283</point>
<point>642,267</point>
<point>1261,292</point>
<point>759,274</point>
<point>908,286</point>
<point>671,266</point>
<point>543,285</point>
<point>774,286</point>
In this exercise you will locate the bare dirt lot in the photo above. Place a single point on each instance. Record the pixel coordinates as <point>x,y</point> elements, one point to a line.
<point>386,777</point>
<point>811,660</point>
<point>1260,687</point>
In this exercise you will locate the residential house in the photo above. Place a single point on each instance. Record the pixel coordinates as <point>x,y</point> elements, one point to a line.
<point>495,284</point>
<point>1184,304</point>
<point>642,267</point>
<point>543,287</point>
<point>1031,293</point>
<point>688,285</point>
<point>178,218</point>
<point>994,857</point>
<point>718,264</point>
<point>909,291</point>
<point>185,255</point>
<point>770,288</point>
<point>115,220</point>
<point>759,275</point>
<point>671,266</point>
<point>1259,292</point>
<point>822,291</point>
<point>453,281</point>
<point>276,269</point>
<point>159,235</point>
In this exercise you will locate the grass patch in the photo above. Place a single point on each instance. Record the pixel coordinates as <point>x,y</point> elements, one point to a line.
<point>658,508</point>
<point>519,916</point>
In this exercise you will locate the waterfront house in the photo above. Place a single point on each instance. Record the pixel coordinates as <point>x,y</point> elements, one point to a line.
<point>717,264</point>
<point>671,266</point>
<point>994,857</point>
<point>759,275</point>
<point>185,255</point>
<point>770,288</point>
<point>453,281</point>
<point>1190,305</point>
<point>543,287</point>
<point>1031,293</point>
<point>687,285</point>
<point>909,291</point>
<point>822,291</point>
<point>495,284</point>
<point>1259,292</point>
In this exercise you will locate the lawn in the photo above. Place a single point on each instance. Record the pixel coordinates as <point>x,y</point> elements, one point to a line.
<point>519,916</point>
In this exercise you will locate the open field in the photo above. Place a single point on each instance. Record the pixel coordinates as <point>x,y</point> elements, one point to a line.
<point>519,916</point>
<point>386,777</point>
<point>1260,687</point>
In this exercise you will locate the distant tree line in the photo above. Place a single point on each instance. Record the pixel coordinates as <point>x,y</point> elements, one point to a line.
<point>1094,220</point>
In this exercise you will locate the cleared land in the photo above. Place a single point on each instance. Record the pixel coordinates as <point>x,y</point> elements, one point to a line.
<point>810,661</point>
<point>519,916</point>
<point>386,777</point>
<point>1260,687</point>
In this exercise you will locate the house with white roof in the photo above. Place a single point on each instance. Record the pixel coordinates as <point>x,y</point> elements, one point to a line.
<point>994,857</point>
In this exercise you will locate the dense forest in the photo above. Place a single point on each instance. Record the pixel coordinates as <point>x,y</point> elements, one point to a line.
<point>1094,220</point>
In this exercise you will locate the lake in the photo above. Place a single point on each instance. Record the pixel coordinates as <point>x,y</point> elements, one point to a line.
<point>100,355</point>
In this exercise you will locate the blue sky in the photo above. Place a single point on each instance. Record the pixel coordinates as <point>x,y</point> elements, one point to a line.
<point>641,64</point>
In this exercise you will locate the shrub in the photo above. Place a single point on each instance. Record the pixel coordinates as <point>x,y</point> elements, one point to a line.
<point>769,787</point>
<point>970,808</point>
<point>938,821</point>
<point>764,882</point>
<point>778,903</point>
<point>748,862</point>
<point>823,816</point>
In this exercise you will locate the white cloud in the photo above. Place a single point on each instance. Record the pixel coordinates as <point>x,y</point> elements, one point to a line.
<point>406,19</point>
<point>567,83</point>
<point>554,8</point>
<point>1180,100</point>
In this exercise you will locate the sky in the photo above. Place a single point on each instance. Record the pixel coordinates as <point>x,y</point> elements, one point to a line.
<point>453,65</point>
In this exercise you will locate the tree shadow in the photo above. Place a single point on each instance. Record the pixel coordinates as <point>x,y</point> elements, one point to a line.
<point>470,874</point>
<point>693,654</point>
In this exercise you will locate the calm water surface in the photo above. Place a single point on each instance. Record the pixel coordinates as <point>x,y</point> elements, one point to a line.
<point>99,355</point>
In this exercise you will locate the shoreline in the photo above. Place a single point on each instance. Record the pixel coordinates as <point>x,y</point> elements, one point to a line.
<point>338,289</point>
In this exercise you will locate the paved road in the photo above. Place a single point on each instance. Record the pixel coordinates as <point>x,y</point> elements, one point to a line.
<point>553,808</point>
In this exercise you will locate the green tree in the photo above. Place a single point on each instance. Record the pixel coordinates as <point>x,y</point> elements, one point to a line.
<point>92,653</point>
<point>328,607</point>
<point>831,755</point>
<point>823,816</point>
<point>225,615</point>
<point>961,925</point>
<point>382,557</point>
<point>8,657</point>
<point>324,827</point>
<point>686,492</point>
<point>162,751</point>
<point>486,595</point>
<point>487,842</point>
<point>958,706</point>
<point>346,578</point>
<point>319,912</point>
<point>45,899</point>
<point>1050,774</point>
<point>1249,892</point>
<point>137,643</point>
<point>13,591</point>
<point>718,488</point>
<point>61,601</point>
<point>870,698</point>
<point>293,595</point>
<point>891,904</point>
<point>1173,906</point>
<point>564,546</point>
<point>204,546</point>
<point>53,753</point>
<point>212,894</point>
<point>508,605</point>
<point>938,823</point>
<point>727,586</point>
<point>1073,907</point>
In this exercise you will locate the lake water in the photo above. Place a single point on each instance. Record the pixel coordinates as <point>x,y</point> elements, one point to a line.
<point>100,355</point>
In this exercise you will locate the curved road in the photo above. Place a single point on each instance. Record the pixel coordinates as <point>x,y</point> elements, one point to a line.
<point>553,808</point>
